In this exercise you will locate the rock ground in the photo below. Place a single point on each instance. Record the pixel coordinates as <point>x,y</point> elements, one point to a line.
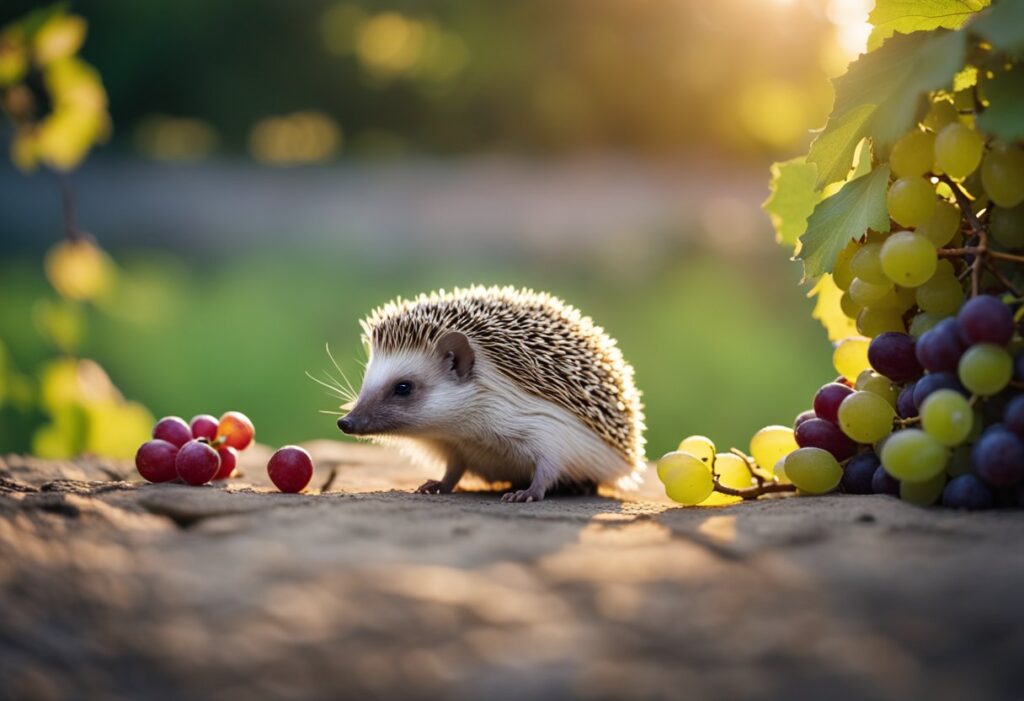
<point>113,589</point>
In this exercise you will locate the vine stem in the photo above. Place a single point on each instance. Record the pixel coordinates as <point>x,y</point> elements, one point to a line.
<point>763,486</point>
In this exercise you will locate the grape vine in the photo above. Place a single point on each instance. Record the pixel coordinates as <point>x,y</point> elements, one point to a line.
<point>907,214</point>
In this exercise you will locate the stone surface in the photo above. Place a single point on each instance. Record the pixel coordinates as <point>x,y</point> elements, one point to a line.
<point>114,589</point>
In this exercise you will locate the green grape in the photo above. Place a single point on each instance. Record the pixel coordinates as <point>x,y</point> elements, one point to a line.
<point>910,201</point>
<point>909,259</point>
<point>700,447</point>
<point>941,296</point>
<point>770,444</point>
<point>865,293</point>
<point>731,471</point>
<point>871,381</point>
<point>1007,226</point>
<point>1002,175</point>
<point>922,322</point>
<point>913,456</point>
<point>867,265</point>
<point>813,470</point>
<point>906,298</point>
<point>985,369</point>
<point>873,321</point>
<point>947,416</point>
<point>780,471</point>
<point>850,357</point>
<point>687,480</point>
<point>913,154</point>
<point>923,493</point>
<point>958,150</point>
<point>841,273</point>
<point>866,417</point>
<point>849,307</point>
<point>942,112</point>
<point>959,461</point>
<point>942,225</point>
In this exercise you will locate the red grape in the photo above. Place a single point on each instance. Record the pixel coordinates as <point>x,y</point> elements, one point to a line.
<point>172,429</point>
<point>290,468</point>
<point>804,416</point>
<point>155,461</point>
<point>940,347</point>
<point>985,319</point>
<point>228,460</point>
<point>818,433</point>
<point>236,429</point>
<point>892,354</point>
<point>827,401</point>
<point>204,426</point>
<point>197,462</point>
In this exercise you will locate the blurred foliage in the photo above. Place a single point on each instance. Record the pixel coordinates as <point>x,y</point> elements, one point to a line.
<point>445,77</point>
<point>58,109</point>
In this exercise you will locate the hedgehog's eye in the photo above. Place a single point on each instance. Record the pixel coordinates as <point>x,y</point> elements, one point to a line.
<point>403,388</point>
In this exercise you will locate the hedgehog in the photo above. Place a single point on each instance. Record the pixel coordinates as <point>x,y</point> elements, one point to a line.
<point>508,384</point>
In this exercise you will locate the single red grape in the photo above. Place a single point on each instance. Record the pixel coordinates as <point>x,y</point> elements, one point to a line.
<point>827,401</point>
<point>819,433</point>
<point>804,416</point>
<point>155,461</point>
<point>204,426</point>
<point>197,462</point>
<point>236,429</point>
<point>228,460</point>
<point>290,469</point>
<point>985,319</point>
<point>172,429</point>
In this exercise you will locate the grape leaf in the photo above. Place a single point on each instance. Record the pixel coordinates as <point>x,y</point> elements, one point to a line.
<point>828,312</point>
<point>1003,26</point>
<point>792,199</point>
<point>906,16</point>
<point>879,95</point>
<point>1004,117</point>
<point>848,214</point>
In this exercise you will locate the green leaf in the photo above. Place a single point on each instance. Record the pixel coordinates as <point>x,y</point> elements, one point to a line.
<point>848,214</point>
<point>879,96</point>
<point>792,199</point>
<point>1003,26</point>
<point>1004,117</point>
<point>906,16</point>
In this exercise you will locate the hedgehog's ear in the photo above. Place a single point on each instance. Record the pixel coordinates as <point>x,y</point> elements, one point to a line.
<point>456,353</point>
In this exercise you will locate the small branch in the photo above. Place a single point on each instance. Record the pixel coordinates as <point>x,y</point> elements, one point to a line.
<point>756,491</point>
<point>330,479</point>
<point>977,229</point>
<point>999,255</point>
<point>1002,278</point>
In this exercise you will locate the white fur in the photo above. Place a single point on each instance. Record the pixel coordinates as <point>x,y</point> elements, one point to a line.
<point>499,430</point>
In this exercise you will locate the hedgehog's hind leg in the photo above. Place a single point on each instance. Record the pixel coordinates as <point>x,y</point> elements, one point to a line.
<point>545,475</point>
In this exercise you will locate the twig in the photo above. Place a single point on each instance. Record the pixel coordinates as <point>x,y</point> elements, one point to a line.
<point>330,479</point>
<point>1002,278</point>
<point>756,491</point>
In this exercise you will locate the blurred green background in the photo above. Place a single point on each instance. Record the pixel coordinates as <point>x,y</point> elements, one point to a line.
<point>276,169</point>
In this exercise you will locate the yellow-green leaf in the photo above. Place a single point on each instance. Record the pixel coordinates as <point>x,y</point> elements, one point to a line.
<point>792,199</point>
<point>828,312</point>
<point>906,16</point>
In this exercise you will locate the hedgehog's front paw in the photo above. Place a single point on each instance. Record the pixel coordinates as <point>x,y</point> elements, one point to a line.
<point>524,495</point>
<point>434,487</point>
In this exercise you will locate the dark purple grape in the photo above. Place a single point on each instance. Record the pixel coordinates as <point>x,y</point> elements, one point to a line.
<point>197,462</point>
<point>884,483</point>
<point>998,457</point>
<point>818,433</point>
<point>859,473</point>
<point>827,400</point>
<point>1013,416</point>
<point>967,492</point>
<point>905,402</point>
<point>892,354</point>
<point>985,319</point>
<point>172,429</point>
<point>940,347</point>
<point>155,460</point>
<point>804,416</point>
<point>933,381</point>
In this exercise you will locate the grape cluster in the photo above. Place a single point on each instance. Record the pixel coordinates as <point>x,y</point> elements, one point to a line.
<point>929,402</point>
<point>203,450</point>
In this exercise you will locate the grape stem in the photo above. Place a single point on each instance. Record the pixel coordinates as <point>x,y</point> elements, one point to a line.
<point>763,486</point>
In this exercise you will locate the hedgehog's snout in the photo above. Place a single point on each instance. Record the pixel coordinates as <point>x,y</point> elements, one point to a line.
<point>352,425</point>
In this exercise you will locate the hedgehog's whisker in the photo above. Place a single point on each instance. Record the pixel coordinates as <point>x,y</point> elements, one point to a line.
<point>332,413</point>
<point>337,391</point>
<point>341,372</point>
